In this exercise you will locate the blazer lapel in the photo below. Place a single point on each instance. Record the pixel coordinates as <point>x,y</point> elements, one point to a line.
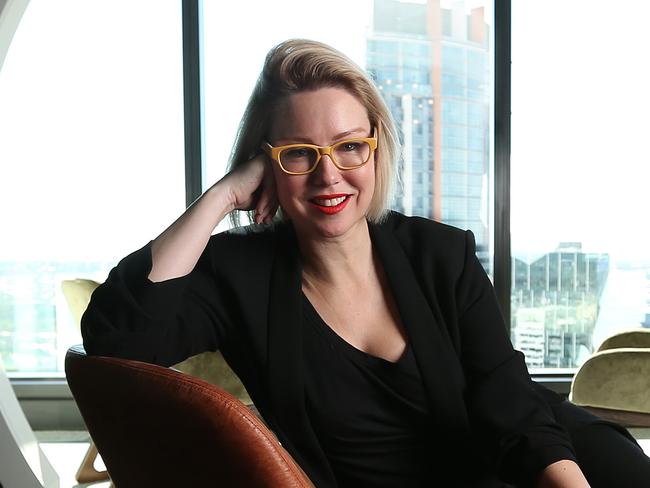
<point>285,361</point>
<point>439,366</point>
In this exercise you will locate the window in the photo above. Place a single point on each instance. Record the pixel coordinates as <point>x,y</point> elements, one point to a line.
<point>579,177</point>
<point>91,119</point>
<point>92,158</point>
<point>391,40</point>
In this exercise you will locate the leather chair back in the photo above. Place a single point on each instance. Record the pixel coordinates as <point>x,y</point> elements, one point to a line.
<point>155,426</point>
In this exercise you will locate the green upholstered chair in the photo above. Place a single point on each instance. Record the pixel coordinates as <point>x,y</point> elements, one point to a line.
<point>614,383</point>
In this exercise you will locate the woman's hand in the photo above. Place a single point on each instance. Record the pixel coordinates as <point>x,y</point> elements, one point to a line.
<point>251,186</point>
<point>562,474</point>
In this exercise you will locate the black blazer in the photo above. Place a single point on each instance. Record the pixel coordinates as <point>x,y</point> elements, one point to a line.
<point>244,298</point>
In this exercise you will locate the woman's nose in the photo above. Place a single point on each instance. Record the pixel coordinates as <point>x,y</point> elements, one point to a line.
<point>326,173</point>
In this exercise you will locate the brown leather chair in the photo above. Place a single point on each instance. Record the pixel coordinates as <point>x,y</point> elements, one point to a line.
<point>159,427</point>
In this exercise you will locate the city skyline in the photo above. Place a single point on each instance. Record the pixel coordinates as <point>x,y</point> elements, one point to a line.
<point>555,305</point>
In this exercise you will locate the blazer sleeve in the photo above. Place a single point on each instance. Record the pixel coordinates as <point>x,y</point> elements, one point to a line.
<point>504,406</point>
<point>163,323</point>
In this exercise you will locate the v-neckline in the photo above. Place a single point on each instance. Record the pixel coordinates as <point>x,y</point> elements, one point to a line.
<point>352,351</point>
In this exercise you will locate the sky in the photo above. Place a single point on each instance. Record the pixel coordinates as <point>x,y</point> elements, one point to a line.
<point>580,160</point>
<point>93,175</point>
<point>91,128</point>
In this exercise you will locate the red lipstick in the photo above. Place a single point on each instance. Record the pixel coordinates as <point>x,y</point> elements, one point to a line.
<point>330,204</point>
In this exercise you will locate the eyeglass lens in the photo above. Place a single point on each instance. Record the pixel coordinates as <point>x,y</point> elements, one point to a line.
<point>347,154</point>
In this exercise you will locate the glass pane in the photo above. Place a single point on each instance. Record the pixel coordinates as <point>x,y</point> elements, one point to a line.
<point>580,104</point>
<point>91,122</point>
<point>431,60</point>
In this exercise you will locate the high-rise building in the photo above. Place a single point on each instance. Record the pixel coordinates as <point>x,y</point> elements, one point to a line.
<point>555,305</point>
<point>432,67</point>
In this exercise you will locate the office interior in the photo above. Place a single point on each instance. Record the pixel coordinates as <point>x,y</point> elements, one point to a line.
<point>522,121</point>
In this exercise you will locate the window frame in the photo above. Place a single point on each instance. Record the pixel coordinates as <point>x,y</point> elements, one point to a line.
<point>48,402</point>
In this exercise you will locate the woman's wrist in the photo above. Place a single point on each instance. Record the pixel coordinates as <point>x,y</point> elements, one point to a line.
<point>222,198</point>
<point>562,474</point>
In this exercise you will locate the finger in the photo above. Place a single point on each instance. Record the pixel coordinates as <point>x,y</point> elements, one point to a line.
<point>273,206</point>
<point>268,217</point>
<point>265,205</point>
<point>274,210</point>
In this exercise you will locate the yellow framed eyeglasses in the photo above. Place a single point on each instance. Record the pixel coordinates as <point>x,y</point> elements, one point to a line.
<point>302,159</point>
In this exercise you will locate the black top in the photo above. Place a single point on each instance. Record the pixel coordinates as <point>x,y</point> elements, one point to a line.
<point>370,415</point>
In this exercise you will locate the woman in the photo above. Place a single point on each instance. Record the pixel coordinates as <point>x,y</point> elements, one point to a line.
<point>370,342</point>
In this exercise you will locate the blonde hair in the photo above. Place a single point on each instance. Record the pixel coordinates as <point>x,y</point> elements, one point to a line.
<point>299,65</point>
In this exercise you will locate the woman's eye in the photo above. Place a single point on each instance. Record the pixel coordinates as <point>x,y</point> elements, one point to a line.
<point>350,146</point>
<point>299,152</point>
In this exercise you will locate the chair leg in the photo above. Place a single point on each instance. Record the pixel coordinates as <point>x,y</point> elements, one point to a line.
<point>87,472</point>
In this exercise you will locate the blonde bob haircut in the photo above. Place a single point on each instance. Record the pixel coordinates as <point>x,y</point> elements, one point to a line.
<point>298,65</point>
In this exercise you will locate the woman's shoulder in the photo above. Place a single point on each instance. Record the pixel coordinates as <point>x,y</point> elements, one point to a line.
<point>413,228</point>
<point>428,244</point>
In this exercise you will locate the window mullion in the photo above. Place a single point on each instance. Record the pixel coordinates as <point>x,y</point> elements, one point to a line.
<point>192,99</point>
<point>502,255</point>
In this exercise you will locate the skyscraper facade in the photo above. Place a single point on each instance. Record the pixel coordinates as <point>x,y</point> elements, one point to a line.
<point>432,67</point>
<point>555,305</point>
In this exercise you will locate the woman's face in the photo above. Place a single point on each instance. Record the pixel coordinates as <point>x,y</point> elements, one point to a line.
<point>313,201</point>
